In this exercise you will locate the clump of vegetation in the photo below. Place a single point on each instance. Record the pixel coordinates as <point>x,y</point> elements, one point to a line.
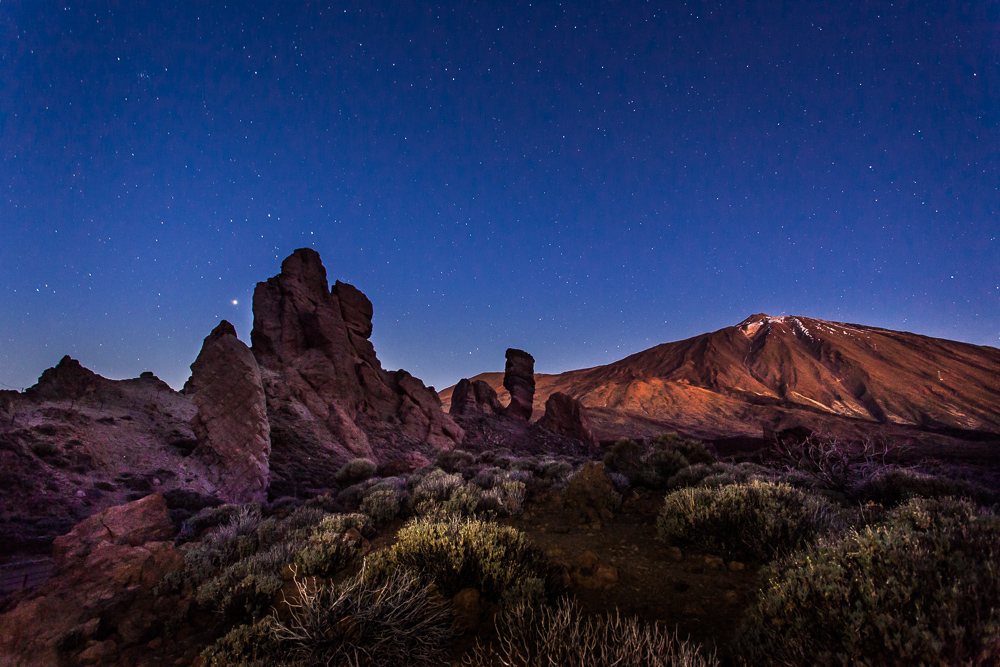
<point>382,505</point>
<point>653,465</point>
<point>454,460</point>
<point>328,550</point>
<point>356,470</point>
<point>752,521</point>
<point>544,636</point>
<point>395,621</point>
<point>246,588</point>
<point>921,589</point>
<point>892,486</point>
<point>437,486</point>
<point>456,553</point>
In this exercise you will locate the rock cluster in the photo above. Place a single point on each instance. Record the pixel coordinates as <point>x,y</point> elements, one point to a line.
<point>566,416</point>
<point>328,397</point>
<point>99,600</point>
<point>474,397</point>
<point>231,423</point>
<point>519,380</point>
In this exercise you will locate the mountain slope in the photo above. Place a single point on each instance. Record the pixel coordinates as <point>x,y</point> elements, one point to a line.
<point>775,372</point>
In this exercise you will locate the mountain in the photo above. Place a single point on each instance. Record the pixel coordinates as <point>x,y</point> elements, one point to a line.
<point>771,373</point>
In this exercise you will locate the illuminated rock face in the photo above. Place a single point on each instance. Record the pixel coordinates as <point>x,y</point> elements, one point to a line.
<point>329,398</point>
<point>231,423</point>
<point>566,416</point>
<point>519,380</point>
<point>474,397</point>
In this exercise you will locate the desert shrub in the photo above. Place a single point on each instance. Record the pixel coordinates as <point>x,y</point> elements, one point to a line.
<point>921,589</point>
<point>327,504</point>
<point>382,505</point>
<point>457,553</point>
<point>721,474</point>
<point>692,450</point>
<point>464,500</point>
<point>892,486</point>
<point>436,486</point>
<point>327,551</point>
<point>209,517</point>
<point>666,463</point>
<point>454,460</point>
<point>397,620</point>
<point>245,588</point>
<point>253,645</point>
<point>832,463</point>
<point>487,477</point>
<point>545,636</point>
<point>506,498</point>
<point>755,521</point>
<point>356,470</point>
<point>625,457</point>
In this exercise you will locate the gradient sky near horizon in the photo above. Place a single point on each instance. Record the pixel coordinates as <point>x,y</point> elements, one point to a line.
<point>581,180</point>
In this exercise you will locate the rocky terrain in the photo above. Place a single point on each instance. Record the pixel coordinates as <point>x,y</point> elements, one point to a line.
<point>768,374</point>
<point>184,528</point>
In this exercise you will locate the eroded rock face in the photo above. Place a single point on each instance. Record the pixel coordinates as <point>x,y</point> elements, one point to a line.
<point>474,397</point>
<point>566,416</point>
<point>328,397</point>
<point>231,424</point>
<point>519,380</point>
<point>106,568</point>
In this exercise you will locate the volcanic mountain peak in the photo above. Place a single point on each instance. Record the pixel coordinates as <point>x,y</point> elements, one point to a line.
<point>768,372</point>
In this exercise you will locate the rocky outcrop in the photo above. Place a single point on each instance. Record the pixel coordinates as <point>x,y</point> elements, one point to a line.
<point>100,600</point>
<point>474,397</point>
<point>231,423</point>
<point>566,416</point>
<point>519,380</point>
<point>67,379</point>
<point>328,397</point>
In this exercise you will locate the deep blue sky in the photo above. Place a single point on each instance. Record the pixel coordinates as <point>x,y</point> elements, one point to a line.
<point>581,180</point>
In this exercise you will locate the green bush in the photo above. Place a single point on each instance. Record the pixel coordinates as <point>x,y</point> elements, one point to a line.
<point>692,450</point>
<point>327,551</point>
<point>546,636</point>
<point>457,553</point>
<point>752,521</point>
<point>919,590</point>
<point>356,470</point>
<point>247,646</point>
<point>892,486</point>
<point>626,457</point>
<point>454,460</point>
<point>506,498</point>
<point>666,463</point>
<point>464,500</point>
<point>245,588</point>
<point>436,486</point>
<point>382,505</point>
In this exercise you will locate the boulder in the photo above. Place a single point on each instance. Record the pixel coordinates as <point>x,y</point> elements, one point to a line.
<point>106,568</point>
<point>566,416</point>
<point>231,423</point>
<point>472,398</point>
<point>329,399</point>
<point>519,380</point>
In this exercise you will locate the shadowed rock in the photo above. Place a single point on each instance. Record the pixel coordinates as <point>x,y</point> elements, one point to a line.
<point>519,380</point>
<point>478,397</point>
<point>231,423</point>
<point>329,398</point>
<point>565,415</point>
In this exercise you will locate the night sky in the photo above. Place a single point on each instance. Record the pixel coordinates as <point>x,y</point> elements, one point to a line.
<point>580,180</point>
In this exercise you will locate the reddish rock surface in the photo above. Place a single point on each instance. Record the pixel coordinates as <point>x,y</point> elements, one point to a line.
<point>519,381</point>
<point>329,398</point>
<point>100,600</point>
<point>566,416</point>
<point>231,424</point>
<point>474,397</point>
<point>768,374</point>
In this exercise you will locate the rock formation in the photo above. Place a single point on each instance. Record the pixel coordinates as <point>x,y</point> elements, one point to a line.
<point>100,600</point>
<point>231,424</point>
<point>474,397</point>
<point>328,397</point>
<point>519,380</point>
<point>565,415</point>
